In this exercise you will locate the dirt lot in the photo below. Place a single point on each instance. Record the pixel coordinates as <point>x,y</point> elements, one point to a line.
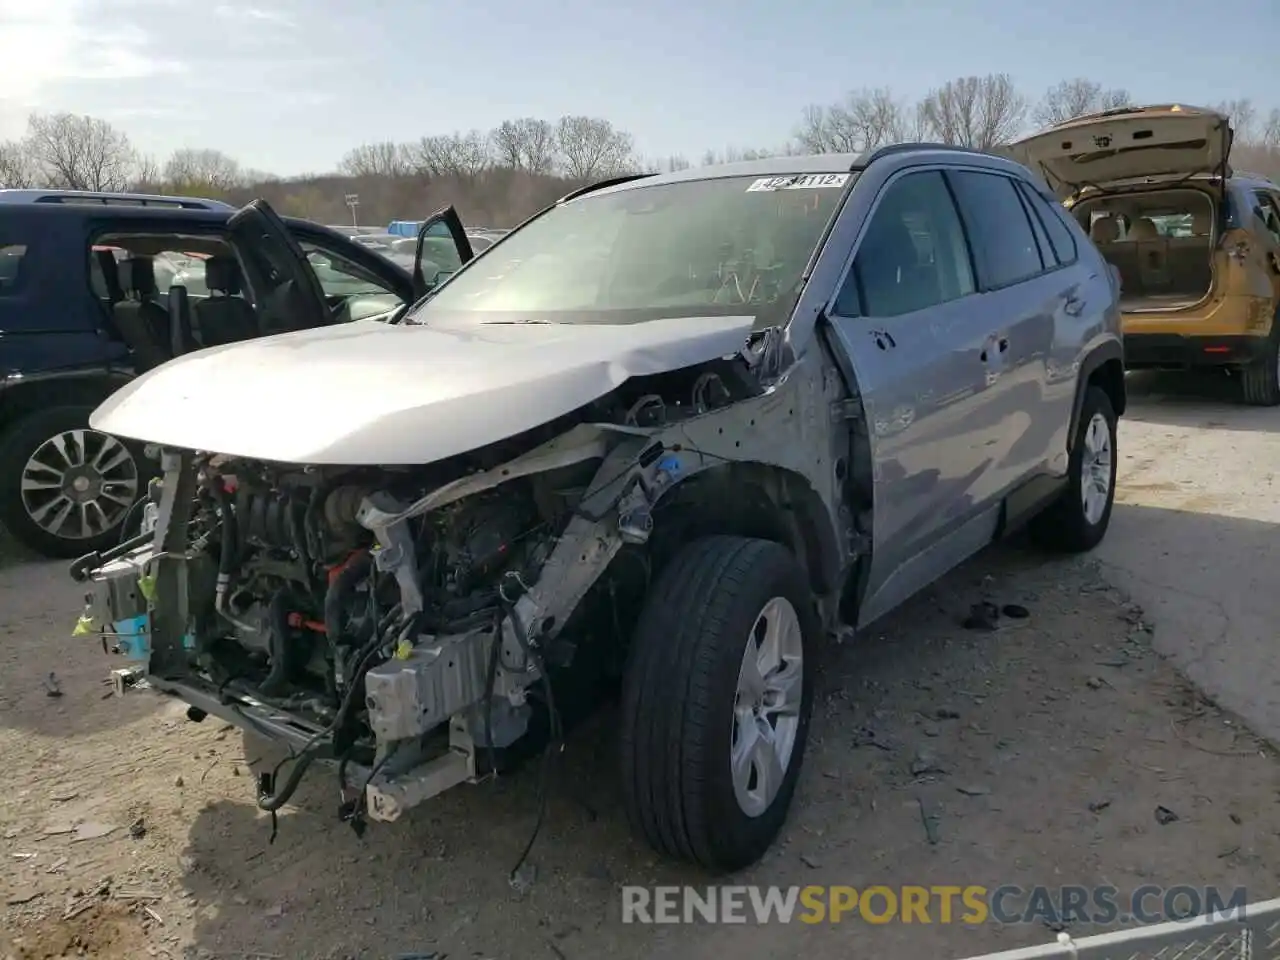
<point>1041,750</point>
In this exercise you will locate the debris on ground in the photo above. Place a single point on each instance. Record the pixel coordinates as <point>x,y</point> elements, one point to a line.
<point>1165,816</point>
<point>52,688</point>
<point>983,615</point>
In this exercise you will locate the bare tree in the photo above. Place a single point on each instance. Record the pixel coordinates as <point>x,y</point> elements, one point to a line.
<point>1271,130</point>
<point>590,147</point>
<point>203,170</point>
<point>78,152</point>
<point>863,120</point>
<point>384,159</point>
<point>454,154</point>
<point>1243,116</point>
<point>1075,98</point>
<point>147,176</point>
<point>975,112</point>
<point>525,144</point>
<point>16,166</point>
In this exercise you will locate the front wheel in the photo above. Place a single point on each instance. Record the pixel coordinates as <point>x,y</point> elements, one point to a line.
<point>1078,520</point>
<point>716,701</point>
<point>66,489</point>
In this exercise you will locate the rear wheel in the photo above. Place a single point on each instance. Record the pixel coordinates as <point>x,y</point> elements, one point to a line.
<point>716,701</point>
<point>1078,520</point>
<point>66,489</point>
<point>1260,381</point>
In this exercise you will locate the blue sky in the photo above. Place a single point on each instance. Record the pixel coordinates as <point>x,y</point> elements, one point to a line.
<point>289,85</point>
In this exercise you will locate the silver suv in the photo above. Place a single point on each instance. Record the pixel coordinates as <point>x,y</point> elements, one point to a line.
<point>673,432</point>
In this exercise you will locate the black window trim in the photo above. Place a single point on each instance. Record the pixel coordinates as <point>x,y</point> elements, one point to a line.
<point>1044,271</point>
<point>852,256</point>
<point>1036,199</point>
<point>1038,232</point>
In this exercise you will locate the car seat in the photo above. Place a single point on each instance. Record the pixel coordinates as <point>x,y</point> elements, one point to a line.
<point>224,316</point>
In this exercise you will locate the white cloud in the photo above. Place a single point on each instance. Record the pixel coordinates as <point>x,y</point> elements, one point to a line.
<point>259,14</point>
<point>63,41</point>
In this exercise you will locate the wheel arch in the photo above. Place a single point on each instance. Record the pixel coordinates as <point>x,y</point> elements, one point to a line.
<point>29,394</point>
<point>758,500</point>
<point>1102,367</point>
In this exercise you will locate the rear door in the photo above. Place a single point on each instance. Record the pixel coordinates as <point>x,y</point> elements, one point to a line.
<point>1023,293</point>
<point>1266,212</point>
<point>909,318</point>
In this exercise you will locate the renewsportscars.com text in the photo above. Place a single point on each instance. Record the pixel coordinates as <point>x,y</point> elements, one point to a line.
<point>944,904</point>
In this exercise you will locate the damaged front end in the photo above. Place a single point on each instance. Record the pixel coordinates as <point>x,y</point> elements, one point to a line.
<point>417,625</point>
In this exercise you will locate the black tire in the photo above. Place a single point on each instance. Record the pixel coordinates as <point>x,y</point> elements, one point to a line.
<point>18,442</point>
<point>1064,526</point>
<point>680,690</point>
<point>1260,381</point>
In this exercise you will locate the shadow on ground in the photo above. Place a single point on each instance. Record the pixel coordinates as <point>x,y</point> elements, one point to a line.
<point>1036,761</point>
<point>39,605</point>
<point>1205,399</point>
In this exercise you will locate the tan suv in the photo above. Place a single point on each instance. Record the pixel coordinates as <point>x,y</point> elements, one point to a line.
<point>1197,246</point>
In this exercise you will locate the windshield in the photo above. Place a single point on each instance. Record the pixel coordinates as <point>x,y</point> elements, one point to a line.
<point>723,247</point>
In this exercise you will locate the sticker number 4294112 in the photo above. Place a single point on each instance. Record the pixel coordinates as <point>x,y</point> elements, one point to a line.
<point>806,181</point>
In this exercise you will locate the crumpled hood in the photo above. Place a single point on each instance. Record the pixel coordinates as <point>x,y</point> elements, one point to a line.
<point>373,393</point>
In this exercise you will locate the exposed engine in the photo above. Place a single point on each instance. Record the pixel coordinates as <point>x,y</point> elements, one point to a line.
<point>406,622</point>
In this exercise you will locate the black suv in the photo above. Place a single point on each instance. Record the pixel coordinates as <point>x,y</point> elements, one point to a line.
<point>98,288</point>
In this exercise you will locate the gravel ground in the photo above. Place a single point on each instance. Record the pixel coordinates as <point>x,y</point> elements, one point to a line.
<point>1041,751</point>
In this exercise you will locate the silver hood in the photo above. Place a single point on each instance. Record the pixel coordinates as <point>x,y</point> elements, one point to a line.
<point>373,393</point>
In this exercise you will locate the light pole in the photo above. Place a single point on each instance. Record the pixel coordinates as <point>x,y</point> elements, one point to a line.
<point>353,201</point>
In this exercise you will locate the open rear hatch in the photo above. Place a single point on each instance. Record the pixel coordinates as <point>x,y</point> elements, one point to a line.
<point>1128,144</point>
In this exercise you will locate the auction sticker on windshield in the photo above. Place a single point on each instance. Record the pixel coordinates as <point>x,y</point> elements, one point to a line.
<point>806,181</point>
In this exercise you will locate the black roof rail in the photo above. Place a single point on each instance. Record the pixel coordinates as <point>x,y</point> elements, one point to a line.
<point>890,149</point>
<point>600,185</point>
<point>109,198</point>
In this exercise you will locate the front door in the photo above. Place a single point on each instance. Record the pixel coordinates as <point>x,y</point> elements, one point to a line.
<point>443,249</point>
<point>912,324</point>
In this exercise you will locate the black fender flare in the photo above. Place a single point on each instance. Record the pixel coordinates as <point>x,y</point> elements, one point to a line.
<point>1103,353</point>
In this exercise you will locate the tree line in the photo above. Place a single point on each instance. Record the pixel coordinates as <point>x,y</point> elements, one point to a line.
<point>499,176</point>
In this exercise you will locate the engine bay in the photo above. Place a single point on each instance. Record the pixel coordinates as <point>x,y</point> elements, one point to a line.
<point>410,623</point>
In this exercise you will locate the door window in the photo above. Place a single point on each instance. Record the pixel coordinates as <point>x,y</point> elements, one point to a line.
<point>339,277</point>
<point>1054,219</point>
<point>1270,214</point>
<point>912,255</point>
<point>1004,246</point>
<point>11,255</point>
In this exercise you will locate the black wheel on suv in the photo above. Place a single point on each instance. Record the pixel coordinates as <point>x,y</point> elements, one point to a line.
<point>1260,381</point>
<point>1078,520</point>
<point>716,701</point>
<point>65,489</point>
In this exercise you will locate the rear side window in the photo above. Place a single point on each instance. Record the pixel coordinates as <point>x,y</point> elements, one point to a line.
<point>1004,245</point>
<point>1053,217</point>
<point>11,256</point>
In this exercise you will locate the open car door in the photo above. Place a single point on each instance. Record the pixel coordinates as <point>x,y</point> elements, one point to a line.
<point>290,294</point>
<point>442,249</point>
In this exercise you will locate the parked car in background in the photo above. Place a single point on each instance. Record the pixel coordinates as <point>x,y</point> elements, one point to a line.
<point>96,288</point>
<point>1196,243</point>
<point>672,433</point>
